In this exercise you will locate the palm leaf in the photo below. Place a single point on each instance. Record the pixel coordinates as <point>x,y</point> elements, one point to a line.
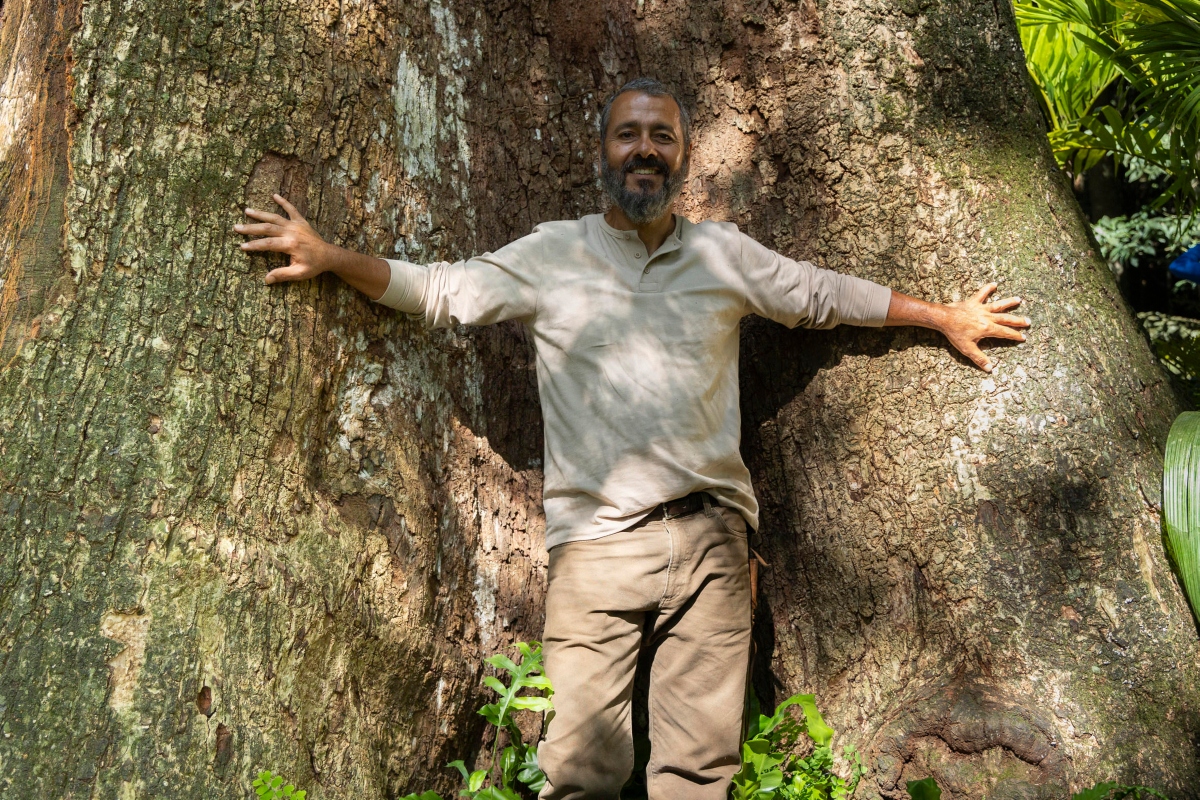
<point>1093,22</point>
<point>1149,50</point>
<point>1181,502</point>
<point>1069,53</point>
<point>1165,45</point>
<point>1106,132</point>
<point>1069,75</point>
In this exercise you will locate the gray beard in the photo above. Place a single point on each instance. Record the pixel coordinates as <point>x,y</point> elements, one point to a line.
<point>640,207</point>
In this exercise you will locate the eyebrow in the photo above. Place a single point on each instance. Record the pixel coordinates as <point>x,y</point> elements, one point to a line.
<point>658,126</point>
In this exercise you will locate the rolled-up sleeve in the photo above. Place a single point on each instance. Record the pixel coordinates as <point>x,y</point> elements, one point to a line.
<point>799,293</point>
<point>482,290</point>
<point>406,287</point>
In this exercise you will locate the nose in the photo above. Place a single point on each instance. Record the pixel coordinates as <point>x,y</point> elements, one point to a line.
<point>646,146</point>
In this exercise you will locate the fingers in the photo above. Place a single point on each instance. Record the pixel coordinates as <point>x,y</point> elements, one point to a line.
<point>288,273</point>
<point>982,294</point>
<point>971,351</point>
<point>1011,320</point>
<point>288,207</point>
<point>265,216</point>
<point>261,229</point>
<point>1004,305</point>
<point>1002,332</point>
<point>274,244</point>
<point>995,325</point>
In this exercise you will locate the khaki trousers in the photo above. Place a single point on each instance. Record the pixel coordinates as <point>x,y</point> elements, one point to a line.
<point>682,588</point>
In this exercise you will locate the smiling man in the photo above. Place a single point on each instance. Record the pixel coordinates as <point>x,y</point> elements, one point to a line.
<point>635,316</point>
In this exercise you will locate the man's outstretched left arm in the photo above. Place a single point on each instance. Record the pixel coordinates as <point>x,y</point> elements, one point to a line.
<point>964,323</point>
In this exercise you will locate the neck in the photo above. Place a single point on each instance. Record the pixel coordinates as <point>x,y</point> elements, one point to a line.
<point>652,233</point>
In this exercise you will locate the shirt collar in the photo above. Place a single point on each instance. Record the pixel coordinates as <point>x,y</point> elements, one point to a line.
<point>672,242</point>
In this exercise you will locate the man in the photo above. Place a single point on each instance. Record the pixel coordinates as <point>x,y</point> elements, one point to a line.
<point>635,316</point>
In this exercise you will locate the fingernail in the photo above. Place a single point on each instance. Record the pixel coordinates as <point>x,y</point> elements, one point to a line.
<point>243,245</point>
<point>1022,337</point>
<point>988,367</point>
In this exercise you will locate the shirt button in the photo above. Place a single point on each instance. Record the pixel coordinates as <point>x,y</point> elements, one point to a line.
<point>637,255</point>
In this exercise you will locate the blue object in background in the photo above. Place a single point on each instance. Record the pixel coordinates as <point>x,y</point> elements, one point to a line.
<point>1187,265</point>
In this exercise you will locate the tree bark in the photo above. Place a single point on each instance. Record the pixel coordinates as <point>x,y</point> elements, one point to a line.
<point>252,527</point>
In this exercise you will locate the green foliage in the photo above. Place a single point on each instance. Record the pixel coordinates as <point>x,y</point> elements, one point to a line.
<point>927,789</point>
<point>529,690</point>
<point>272,787</point>
<point>1163,46</point>
<point>1181,502</point>
<point>1121,78</point>
<point>1128,241</point>
<point>1176,342</point>
<point>924,789</point>
<point>1069,74</point>
<point>1115,791</point>
<point>770,770</point>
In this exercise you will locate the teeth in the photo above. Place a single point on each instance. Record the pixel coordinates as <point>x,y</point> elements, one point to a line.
<point>645,172</point>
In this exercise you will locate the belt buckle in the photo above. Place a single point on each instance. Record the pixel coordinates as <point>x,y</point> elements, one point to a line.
<point>685,508</point>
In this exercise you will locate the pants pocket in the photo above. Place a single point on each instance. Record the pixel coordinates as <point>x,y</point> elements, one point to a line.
<point>731,521</point>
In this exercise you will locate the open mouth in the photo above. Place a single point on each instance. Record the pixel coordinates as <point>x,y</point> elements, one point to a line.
<point>645,167</point>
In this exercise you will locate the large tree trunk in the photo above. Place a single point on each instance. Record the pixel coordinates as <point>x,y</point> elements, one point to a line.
<point>248,527</point>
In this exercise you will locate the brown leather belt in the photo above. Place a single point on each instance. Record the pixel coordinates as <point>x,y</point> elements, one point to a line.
<point>679,507</point>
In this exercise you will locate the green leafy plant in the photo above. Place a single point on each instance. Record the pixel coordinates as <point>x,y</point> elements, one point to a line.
<point>1181,502</point>
<point>1121,78</point>
<point>927,789</point>
<point>1116,791</point>
<point>1176,342</point>
<point>770,769</point>
<point>529,690</point>
<point>924,789</point>
<point>1127,241</point>
<point>272,787</point>
<point>1069,74</point>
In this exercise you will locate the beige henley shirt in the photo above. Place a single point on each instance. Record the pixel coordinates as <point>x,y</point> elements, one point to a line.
<point>637,354</point>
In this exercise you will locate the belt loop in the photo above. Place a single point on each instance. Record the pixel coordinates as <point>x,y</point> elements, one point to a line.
<point>708,508</point>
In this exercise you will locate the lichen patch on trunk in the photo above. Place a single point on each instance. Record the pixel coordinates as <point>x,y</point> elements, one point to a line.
<point>125,668</point>
<point>14,103</point>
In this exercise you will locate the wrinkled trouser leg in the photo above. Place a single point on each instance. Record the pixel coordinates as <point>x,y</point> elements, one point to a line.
<point>687,580</point>
<point>597,597</point>
<point>700,664</point>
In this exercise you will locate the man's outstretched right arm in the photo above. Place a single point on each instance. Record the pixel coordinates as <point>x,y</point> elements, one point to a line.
<point>478,291</point>
<point>310,254</point>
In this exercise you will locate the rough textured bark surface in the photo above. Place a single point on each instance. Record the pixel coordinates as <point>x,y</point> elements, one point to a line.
<point>248,527</point>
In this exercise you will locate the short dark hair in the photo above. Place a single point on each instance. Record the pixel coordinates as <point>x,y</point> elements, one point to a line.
<point>654,88</point>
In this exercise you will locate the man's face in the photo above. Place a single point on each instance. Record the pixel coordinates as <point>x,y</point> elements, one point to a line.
<point>643,160</point>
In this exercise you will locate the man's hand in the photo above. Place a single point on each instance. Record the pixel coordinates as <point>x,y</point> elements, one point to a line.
<point>964,323</point>
<point>973,319</point>
<point>295,237</point>
<point>310,254</point>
